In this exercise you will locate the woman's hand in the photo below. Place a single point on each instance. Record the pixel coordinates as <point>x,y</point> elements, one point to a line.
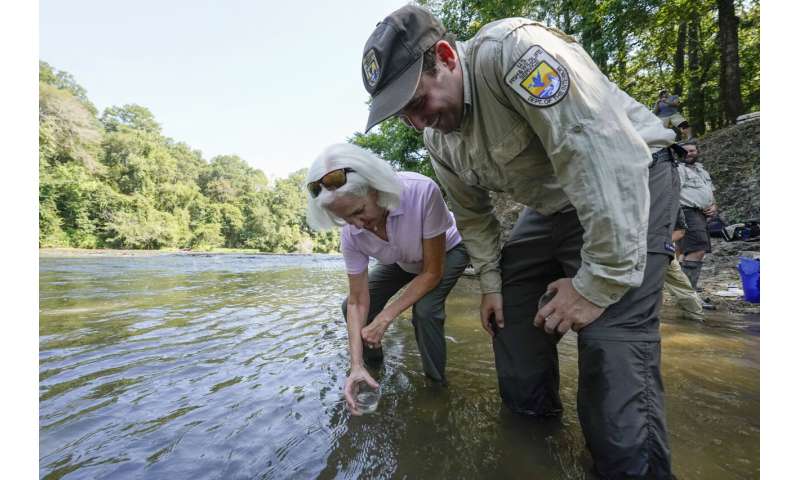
<point>373,333</point>
<point>357,374</point>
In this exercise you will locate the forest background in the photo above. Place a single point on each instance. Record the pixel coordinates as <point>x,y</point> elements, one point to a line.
<point>112,179</point>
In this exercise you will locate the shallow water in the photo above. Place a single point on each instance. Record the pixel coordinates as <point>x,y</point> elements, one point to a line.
<point>231,366</point>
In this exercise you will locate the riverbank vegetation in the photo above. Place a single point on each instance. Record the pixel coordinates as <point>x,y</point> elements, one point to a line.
<point>113,180</point>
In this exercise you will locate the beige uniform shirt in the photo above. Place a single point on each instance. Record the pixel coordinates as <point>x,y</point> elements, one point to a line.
<point>696,188</point>
<point>591,149</point>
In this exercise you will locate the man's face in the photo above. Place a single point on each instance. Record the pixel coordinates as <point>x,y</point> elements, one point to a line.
<point>691,153</point>
<point>438,102</point>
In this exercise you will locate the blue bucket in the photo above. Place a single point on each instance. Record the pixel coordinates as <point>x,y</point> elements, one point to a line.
<point>750,271</point>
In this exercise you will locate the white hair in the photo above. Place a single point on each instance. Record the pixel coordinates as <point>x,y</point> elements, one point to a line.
<point>370,172</point>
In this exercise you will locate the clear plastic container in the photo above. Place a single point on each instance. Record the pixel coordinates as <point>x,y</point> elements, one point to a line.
<point>367,397</point>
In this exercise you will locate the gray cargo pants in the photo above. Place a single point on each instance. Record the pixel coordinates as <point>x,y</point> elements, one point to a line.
<point>427,314</point>
<point>620,394</point>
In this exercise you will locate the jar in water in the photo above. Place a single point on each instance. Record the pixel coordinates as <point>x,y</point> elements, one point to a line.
<point>367,397</point>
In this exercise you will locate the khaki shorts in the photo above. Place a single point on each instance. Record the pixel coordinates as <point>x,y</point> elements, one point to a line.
<point>673,120</point>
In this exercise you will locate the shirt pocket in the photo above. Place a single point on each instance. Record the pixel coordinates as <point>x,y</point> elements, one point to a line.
<point>522,165</point>
<point>693,182</point>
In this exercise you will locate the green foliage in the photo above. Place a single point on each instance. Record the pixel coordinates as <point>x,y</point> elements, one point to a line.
<point>68,132</point>
<point>134,117</point>
<point>398,144</point>
<point>65,81</point>
<point>118,182</point>
<point>147,228</point>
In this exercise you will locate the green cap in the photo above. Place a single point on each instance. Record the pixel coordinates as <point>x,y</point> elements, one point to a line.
<point>392,63</point>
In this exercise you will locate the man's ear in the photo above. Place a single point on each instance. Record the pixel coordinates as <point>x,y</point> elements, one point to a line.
<point>446,54</point>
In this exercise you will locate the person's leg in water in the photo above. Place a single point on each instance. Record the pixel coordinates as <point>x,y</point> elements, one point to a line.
<point>428,316</point>
<point>678,285</point>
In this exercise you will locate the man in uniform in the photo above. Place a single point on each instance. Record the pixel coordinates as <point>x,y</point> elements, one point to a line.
<point>521,108</point>
<point>697,203</point>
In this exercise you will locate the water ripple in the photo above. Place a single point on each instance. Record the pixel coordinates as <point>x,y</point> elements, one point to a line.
<point>231,366</point>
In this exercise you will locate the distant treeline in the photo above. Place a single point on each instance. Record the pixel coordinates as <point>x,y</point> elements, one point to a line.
<point>114,181</point>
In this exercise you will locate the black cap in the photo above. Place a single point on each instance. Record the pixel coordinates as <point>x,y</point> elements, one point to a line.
<point>392,63</point>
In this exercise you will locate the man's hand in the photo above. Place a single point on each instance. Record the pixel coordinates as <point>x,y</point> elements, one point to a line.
<point>357,374</point>
<point>492,310</point>
<point>373,333</point>
<point>710,211</point>
<point>568,309</point>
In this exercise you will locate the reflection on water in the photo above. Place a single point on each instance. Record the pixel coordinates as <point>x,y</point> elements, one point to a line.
<point>231,366</point>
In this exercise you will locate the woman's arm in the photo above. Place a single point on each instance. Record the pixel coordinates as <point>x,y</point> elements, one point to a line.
<point>357,311</point>
<point>433,255</point>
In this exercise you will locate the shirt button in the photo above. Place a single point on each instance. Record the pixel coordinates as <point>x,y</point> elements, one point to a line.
<point>577,129</point>
<point>614,296</point>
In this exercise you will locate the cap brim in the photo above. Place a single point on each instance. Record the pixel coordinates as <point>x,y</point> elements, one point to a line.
<point>395,96</point>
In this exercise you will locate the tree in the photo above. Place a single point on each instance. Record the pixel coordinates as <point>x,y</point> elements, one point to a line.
<point>68,132</point>
<point>65,81</point>
<point>398,144</point>
<point>730,74</point>
<point>679,61</point>
<point>132,116</point>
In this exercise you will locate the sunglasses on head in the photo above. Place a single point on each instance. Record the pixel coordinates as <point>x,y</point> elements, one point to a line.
<point>331,181</point>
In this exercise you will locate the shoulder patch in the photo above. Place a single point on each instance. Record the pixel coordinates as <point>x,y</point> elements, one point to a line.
<point>538,78</point>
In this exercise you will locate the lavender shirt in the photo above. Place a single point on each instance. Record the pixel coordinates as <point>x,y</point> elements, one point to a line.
<point>422,214</point>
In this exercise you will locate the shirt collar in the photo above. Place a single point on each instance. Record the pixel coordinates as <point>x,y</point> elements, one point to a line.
<point>465,71</point>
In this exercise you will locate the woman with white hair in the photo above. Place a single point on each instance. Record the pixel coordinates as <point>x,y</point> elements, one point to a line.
<point>400,219</point>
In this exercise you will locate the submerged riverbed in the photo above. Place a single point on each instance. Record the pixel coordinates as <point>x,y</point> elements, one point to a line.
<point>231,366</point>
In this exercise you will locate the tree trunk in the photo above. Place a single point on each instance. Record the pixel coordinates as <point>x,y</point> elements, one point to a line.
<point>729,72</point>
<point>622,56</point>
<point>679,60</point>
<point>694,98</point>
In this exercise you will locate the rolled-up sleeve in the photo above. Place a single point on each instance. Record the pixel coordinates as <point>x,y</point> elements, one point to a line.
<point>479,228</point>
<point>599,159</point>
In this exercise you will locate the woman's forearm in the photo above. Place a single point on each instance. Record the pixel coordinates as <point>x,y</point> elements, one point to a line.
<point>356,319</point>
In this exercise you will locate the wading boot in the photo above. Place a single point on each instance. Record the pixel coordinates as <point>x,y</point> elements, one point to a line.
<point>692,270</point>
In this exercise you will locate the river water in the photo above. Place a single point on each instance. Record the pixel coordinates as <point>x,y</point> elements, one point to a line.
<point>231,366</point>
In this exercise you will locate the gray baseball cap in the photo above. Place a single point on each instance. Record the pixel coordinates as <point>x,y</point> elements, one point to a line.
<point>392,63</point>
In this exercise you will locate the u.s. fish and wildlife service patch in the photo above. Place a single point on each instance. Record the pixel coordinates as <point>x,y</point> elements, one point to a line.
<point>538,78</point>
<point>372,71</point>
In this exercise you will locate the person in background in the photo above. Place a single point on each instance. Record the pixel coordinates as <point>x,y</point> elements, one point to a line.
<point>400,219</point>
<point>698,205</point>
<point>676,282</point>
<point>667,108</point>
<point>522,108</point>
